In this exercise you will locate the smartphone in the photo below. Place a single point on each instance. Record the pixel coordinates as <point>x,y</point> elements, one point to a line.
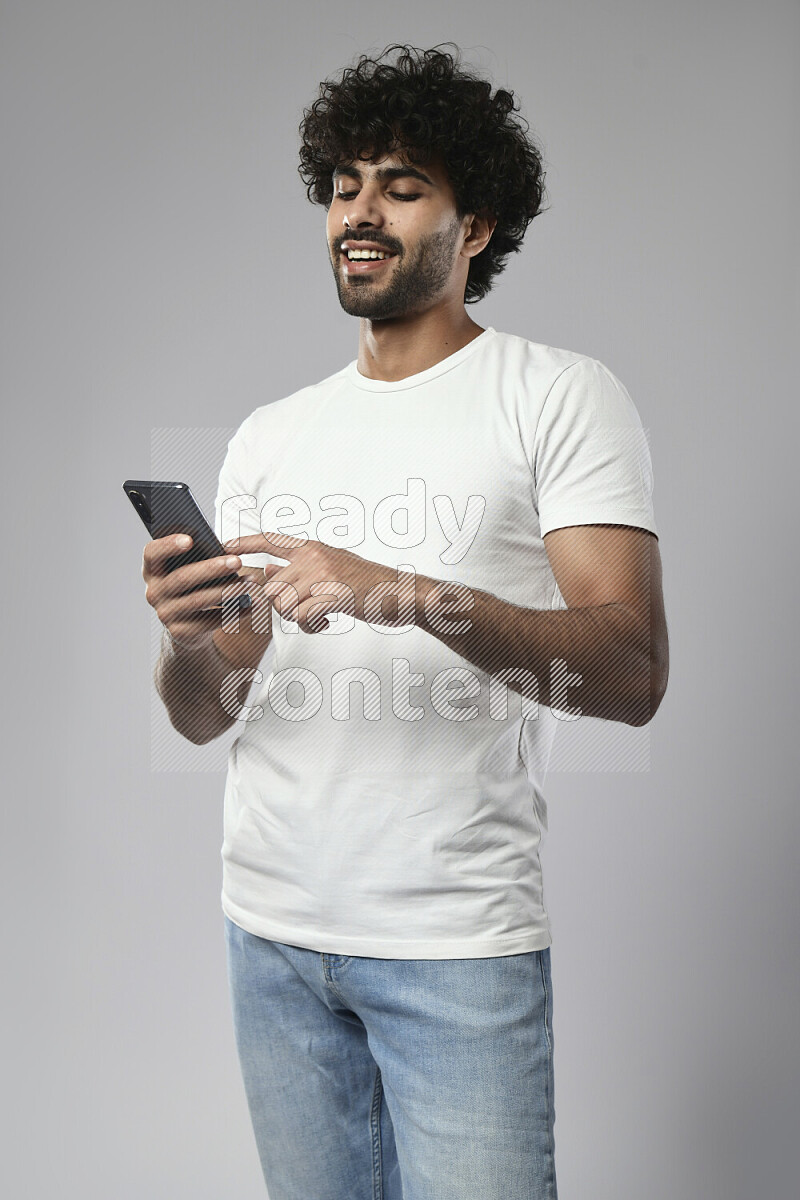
<point>167,508</point>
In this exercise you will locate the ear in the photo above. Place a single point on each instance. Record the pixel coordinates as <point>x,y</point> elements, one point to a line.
<point>479,229</point>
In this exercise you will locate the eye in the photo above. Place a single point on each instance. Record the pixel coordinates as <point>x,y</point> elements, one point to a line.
<point>406,195</point>
<point>345,195</point>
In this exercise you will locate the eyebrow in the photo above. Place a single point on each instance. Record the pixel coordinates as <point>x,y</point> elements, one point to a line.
<point>384,173</point>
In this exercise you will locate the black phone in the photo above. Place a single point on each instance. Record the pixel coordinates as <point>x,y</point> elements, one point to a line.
<point>167,508</point>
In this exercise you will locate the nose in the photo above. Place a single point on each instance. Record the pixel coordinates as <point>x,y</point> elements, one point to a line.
<point>364,210</point>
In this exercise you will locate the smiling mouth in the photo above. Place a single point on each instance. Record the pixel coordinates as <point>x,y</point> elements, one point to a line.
<point>365,266</point>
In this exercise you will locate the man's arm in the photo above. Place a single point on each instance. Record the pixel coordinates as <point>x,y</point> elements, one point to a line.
<point>189,679</point>
<point>613,633</point>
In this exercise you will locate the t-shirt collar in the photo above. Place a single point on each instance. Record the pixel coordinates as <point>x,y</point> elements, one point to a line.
<point>410,381</point>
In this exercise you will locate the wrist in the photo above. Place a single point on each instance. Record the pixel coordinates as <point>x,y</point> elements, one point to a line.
<point>195,647</point>
<point>443,607</point>
<point>427,598</point>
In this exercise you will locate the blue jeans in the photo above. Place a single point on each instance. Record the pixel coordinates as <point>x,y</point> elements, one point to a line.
<point>396,1079</point>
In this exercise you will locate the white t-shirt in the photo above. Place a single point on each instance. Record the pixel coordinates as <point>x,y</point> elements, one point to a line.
<point>385,810</point>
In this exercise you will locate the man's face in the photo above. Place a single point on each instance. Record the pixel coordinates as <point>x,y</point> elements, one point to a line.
<point>388,205</point>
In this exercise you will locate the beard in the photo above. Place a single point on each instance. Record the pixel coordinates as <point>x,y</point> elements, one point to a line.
<point>412,285</point>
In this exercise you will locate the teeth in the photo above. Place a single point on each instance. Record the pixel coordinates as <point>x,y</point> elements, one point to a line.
<point>355,254</point>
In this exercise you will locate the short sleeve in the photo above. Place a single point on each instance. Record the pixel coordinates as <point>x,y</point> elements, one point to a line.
<point>590,458</point>
<point>237,504</point>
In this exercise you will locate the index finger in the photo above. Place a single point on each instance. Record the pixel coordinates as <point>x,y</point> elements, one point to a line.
<point>159,550</point>
<point>266,543</point>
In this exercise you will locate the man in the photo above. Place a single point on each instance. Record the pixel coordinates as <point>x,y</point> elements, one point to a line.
<point>459,523</point>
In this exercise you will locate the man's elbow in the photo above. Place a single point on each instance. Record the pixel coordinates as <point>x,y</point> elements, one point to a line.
<point>198,737</point>
<point>652,689</point>
<point>199,729</point>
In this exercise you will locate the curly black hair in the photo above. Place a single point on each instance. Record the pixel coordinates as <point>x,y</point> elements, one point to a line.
<point>426,104</point>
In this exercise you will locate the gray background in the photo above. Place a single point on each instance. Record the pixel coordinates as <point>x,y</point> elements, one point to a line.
<point>161,268</point>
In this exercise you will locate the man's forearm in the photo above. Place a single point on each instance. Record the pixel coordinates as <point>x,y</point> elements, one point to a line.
<point>188,679</point>
<point>605,646</point>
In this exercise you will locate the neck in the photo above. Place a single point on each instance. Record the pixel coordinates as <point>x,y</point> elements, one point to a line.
<point>394,349</point>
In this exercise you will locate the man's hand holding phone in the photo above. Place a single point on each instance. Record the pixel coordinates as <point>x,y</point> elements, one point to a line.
<point>192,582</point>
<point>188,600</point>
